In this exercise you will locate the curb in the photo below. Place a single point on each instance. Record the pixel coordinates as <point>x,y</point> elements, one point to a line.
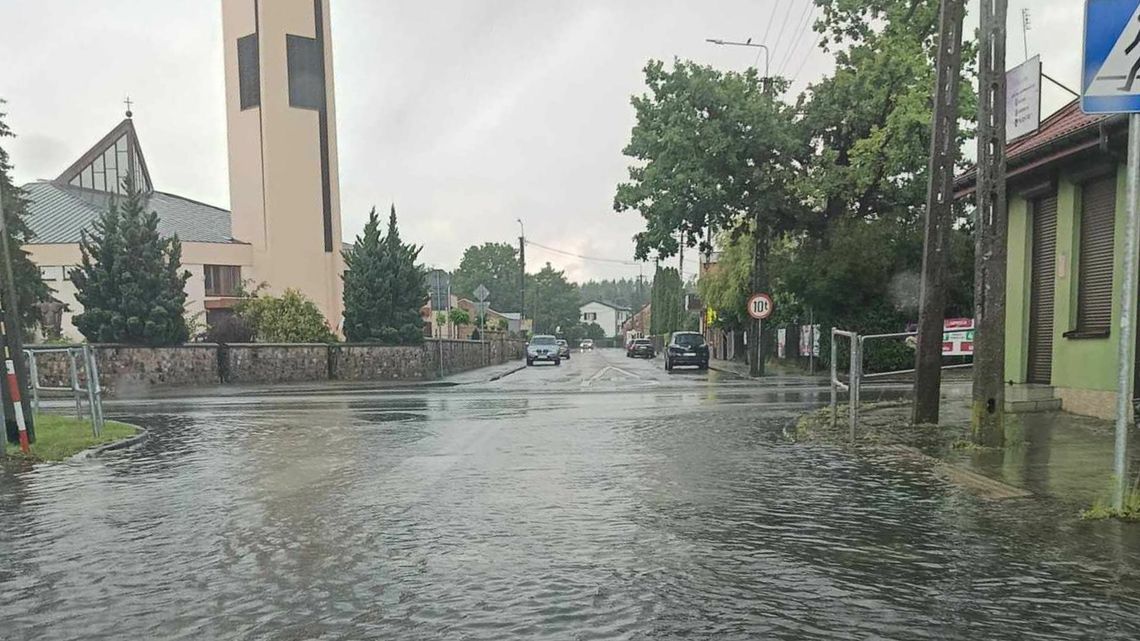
<point>508,373</point>
<point>117,445</point>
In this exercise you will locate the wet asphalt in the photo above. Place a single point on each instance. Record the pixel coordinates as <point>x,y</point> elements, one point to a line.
<point>601,499</point>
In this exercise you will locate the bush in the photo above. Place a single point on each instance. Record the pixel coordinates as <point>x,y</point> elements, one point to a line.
<point>289,318</point>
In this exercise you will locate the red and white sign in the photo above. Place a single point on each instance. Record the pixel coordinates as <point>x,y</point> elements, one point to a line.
<point>760,306</point>
<point>958,337</point>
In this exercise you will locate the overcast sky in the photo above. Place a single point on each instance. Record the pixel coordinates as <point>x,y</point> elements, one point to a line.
<point>468,114</point>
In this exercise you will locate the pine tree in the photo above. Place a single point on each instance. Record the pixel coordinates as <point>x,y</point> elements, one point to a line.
<point>384,288</point>
<point>130,282</point>
<point>30,287</point>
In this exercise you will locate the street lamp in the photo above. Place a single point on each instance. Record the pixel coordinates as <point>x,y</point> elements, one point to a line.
<point>749,43</point>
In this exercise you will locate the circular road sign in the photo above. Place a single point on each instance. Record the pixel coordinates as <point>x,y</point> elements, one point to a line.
<point>760,306</point>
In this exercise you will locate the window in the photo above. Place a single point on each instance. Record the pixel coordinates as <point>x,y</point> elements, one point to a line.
<point>249,71</point>
<point>1094,268</point>
<point>222,280</point>
<point>590,316</point>
<point>306,72</point>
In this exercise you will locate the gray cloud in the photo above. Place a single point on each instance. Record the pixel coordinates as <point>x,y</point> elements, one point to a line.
<point>468,115</point>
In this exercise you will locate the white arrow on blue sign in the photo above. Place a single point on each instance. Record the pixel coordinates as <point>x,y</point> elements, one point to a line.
<point>1110,75</point>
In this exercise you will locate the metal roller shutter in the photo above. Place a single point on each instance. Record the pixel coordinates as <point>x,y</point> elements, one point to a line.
<point>1094,293</point>
<point>1042,290</point>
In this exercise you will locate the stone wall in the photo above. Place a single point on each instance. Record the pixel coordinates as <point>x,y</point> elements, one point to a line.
<point>130,371</point>
<point>355,362</point>
<point>273,363</point>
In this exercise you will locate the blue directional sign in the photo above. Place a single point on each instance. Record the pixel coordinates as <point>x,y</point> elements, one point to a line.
<point>1110,75</point>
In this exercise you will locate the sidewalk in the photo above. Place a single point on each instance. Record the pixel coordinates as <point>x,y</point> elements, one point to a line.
<point>740,368</point>
<point>1062,457</point>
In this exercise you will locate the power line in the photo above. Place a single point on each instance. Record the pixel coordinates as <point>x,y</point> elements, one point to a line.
<point>783,27</point>
<point>771,19</point>
<point>616,261</point>
<point>803,22</point>
<point>806,57</point>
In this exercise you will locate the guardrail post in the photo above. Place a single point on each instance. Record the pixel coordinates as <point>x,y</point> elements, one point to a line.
<point>73,369</point>
<point>834,375</point>
<point>96,389</point>
<point>34,376</point>
<point>853,384</point>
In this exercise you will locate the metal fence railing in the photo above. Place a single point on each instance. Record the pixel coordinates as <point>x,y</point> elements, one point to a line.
<point>79,359</point>
<point>856,375</point>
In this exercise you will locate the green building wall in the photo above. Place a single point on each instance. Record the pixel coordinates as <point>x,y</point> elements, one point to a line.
<point>1078,364</point>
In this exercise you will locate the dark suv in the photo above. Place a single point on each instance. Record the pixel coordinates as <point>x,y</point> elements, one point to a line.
<point>687,348</point>
<point>640,348</point>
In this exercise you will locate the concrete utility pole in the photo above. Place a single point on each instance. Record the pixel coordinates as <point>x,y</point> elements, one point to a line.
<point>988,425</point>
<point>939,199</point>
<point>13,342</point>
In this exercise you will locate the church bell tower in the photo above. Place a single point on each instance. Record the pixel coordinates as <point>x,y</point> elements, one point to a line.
<point>281,117</point>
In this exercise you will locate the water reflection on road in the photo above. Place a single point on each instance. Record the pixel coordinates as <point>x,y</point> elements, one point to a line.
<point>637,506</point>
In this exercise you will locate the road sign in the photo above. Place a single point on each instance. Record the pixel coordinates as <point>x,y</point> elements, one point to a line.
<point>1111,57</point>
<point>760,306</point>
<point>482,293</point>
<point>1023,99</point>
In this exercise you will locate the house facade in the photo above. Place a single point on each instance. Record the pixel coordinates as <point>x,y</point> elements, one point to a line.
<point>1066,187</point>
<point>608,317</point>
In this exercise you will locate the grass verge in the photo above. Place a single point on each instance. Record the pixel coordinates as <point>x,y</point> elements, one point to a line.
<point>59,437</point>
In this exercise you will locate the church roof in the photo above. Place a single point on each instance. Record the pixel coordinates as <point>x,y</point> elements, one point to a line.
<point>60,210</point>
<point>60,213</point>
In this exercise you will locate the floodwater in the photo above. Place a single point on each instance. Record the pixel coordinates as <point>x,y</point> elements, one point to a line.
<point>603,499</point>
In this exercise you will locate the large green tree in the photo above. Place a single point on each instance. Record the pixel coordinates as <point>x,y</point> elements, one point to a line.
<point>130,280</point>
<point>30,287</point>
<point>496,267</point>
<point>384,288</point>
<point>668,314</point>
<point>553,301</point>
<point>714,151</point>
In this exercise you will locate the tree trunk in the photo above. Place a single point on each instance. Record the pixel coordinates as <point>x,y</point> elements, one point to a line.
<point>756,351</point>
<point>988,425</point>
<point>940,196</point>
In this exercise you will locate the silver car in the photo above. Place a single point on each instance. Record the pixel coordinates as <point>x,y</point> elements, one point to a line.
<point>543,347</point>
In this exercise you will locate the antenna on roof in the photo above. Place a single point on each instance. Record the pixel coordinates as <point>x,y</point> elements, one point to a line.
<point>127,102</point>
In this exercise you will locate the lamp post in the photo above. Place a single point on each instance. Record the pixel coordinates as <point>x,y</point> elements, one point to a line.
<point>749,43</point>
<point>522,275</point>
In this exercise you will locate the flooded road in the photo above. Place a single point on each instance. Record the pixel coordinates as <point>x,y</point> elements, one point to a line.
<point>603,499</point>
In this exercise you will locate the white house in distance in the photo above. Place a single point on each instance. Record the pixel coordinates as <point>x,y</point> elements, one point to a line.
<point>608,317</point>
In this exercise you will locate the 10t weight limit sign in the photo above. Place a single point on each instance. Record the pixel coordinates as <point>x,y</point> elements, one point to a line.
<point>760,306</point>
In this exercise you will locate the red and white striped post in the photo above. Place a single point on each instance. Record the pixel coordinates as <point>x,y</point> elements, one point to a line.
<point>17,404</point>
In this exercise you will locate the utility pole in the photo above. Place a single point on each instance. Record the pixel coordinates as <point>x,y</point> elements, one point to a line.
<point>522,274</point>
<point>939,199</point>
<point>19,422</point>
<point>988,424</point>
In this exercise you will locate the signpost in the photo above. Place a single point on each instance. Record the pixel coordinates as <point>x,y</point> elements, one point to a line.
<point>760,306</point>
<point>1108,85</point>
<point>1023,99</point>
<point>482,293</point>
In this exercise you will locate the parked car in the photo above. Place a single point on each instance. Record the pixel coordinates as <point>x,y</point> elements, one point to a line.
<point>543,347</point>
<point>686,348</point>
<point>640,348</point>
<point>586,345</point>
<point>564,349</point>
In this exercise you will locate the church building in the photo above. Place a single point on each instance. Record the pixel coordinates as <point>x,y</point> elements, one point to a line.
<point>283,227</point>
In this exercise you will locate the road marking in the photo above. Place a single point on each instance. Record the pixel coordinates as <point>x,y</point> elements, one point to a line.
<point>600,373</point>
